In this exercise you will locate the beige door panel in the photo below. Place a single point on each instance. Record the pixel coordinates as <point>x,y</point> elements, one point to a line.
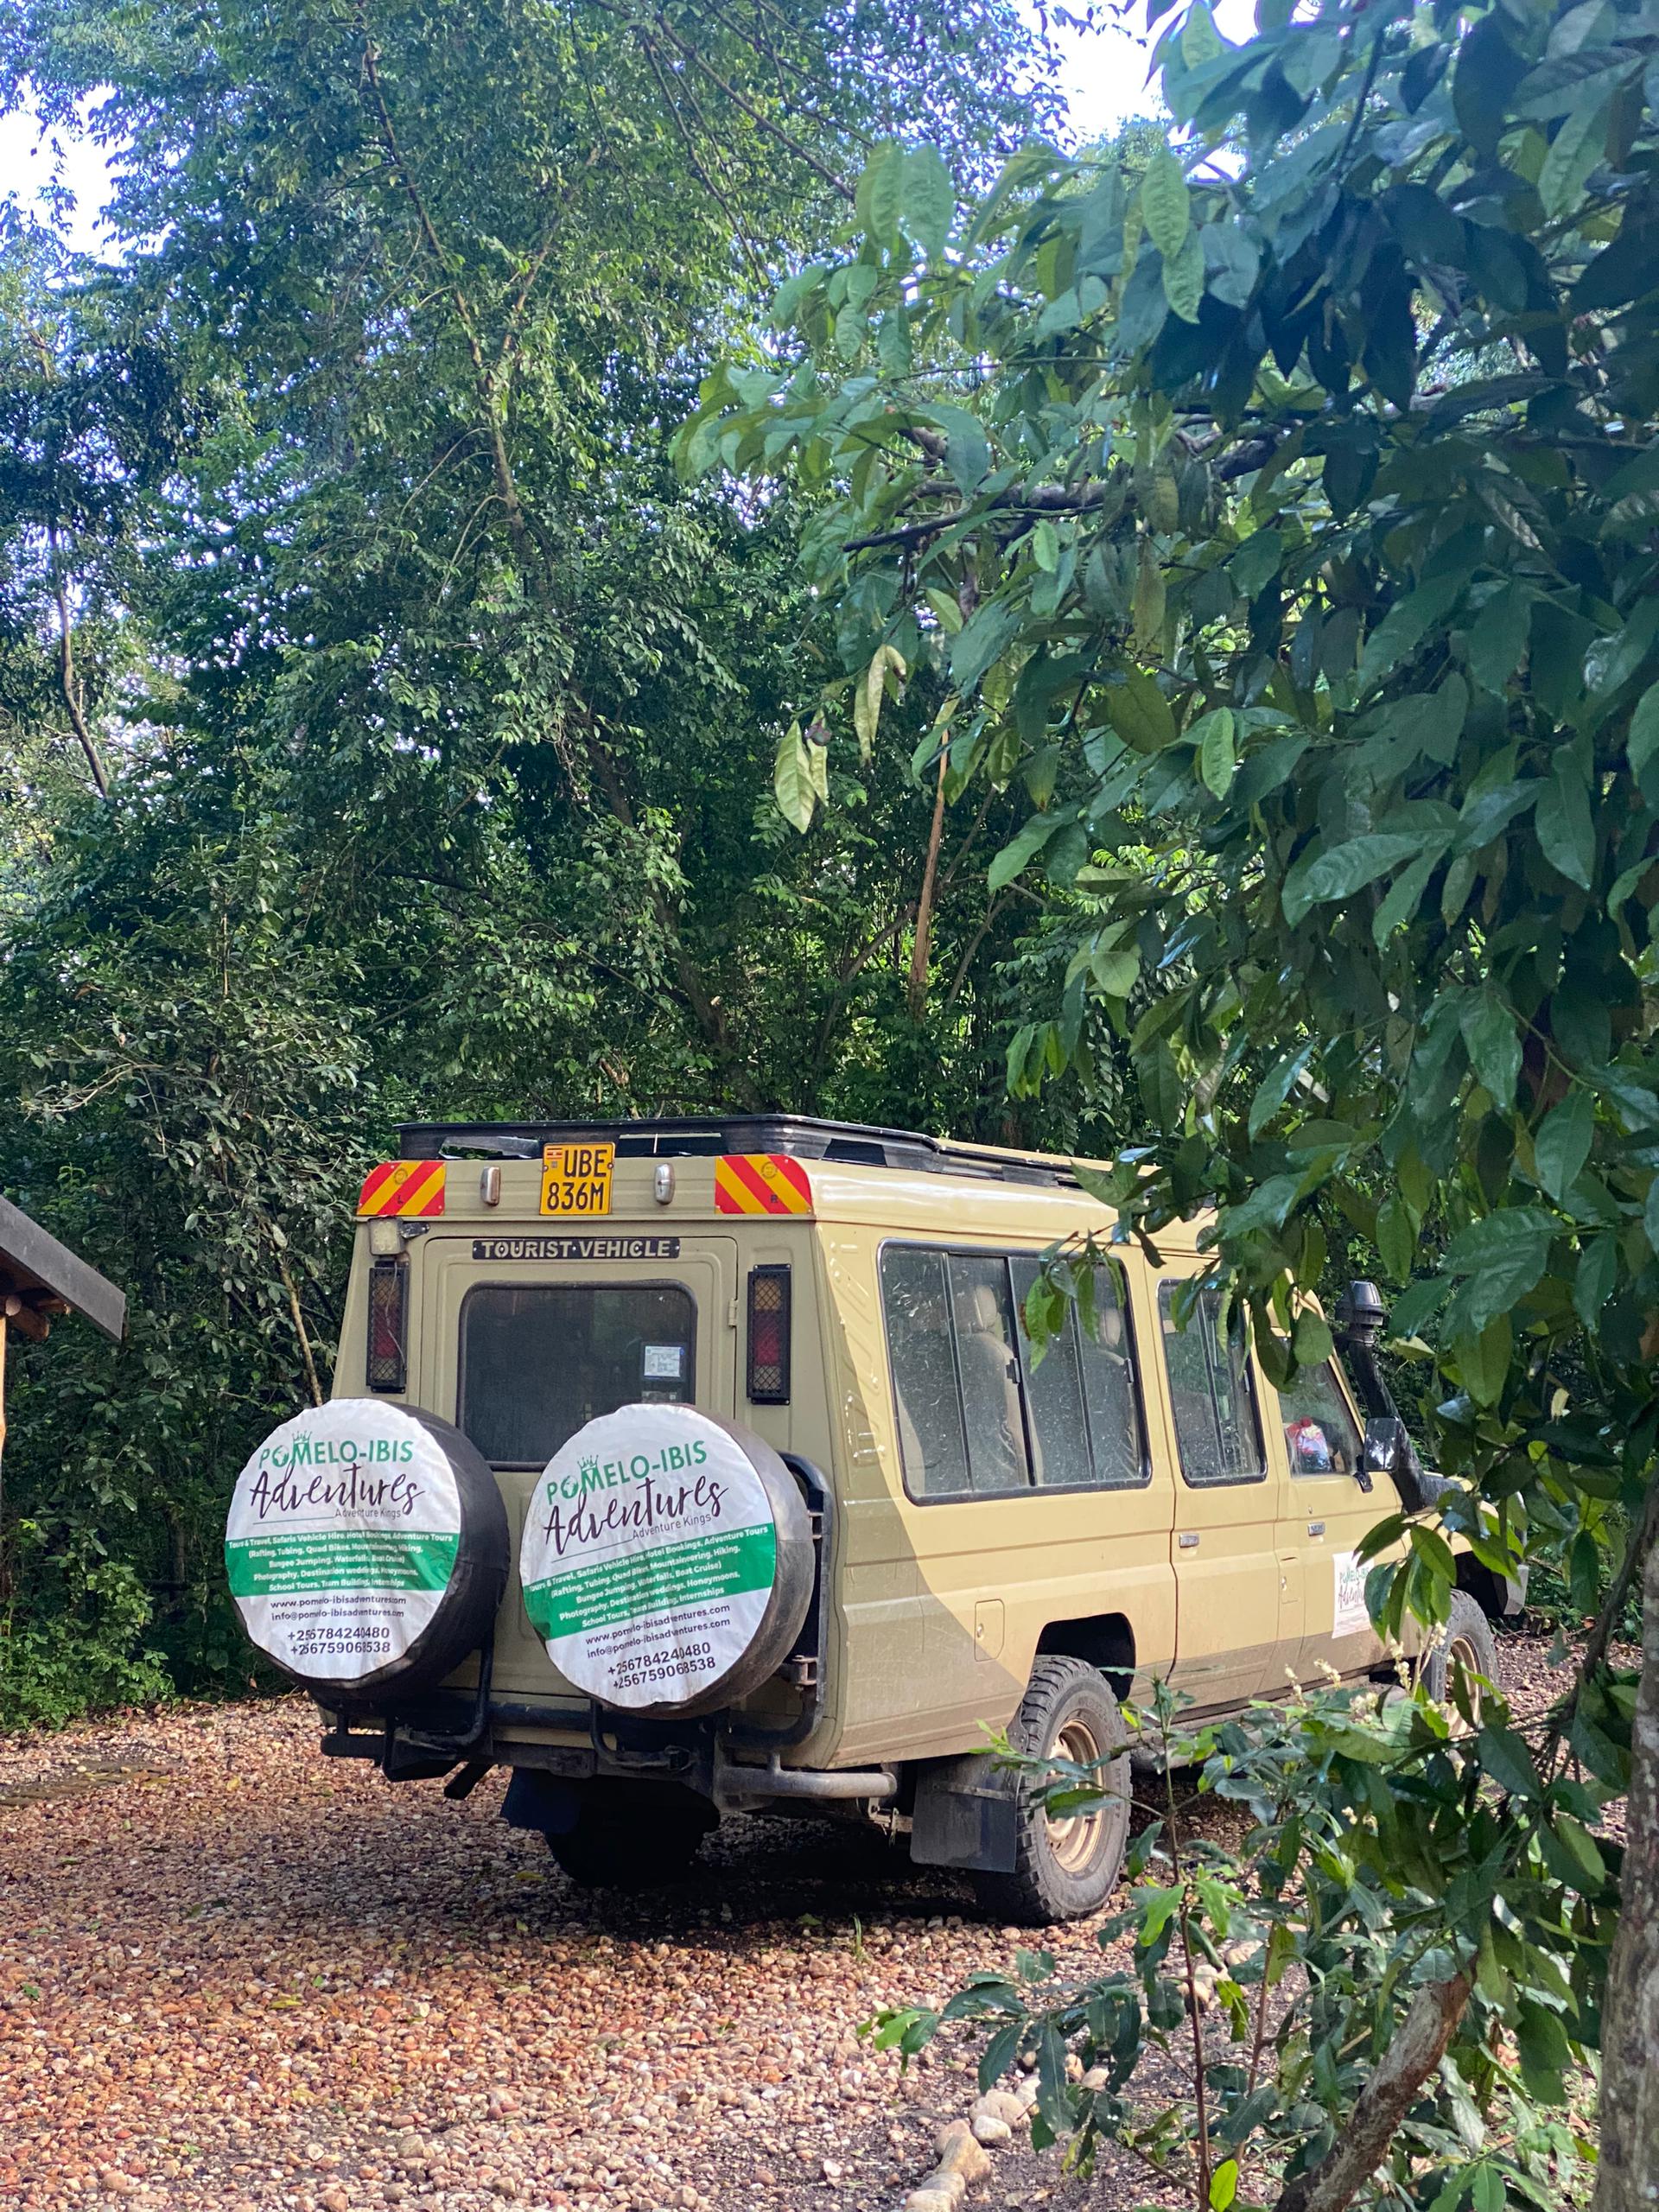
<point>942,1603</point>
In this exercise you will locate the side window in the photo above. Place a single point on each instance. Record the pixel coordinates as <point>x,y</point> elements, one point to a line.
<point>1321,1434</point>
<point>987,1359</point>
<point>915,1303</point>
<point>1112,1393</point>
<point>976,1417</point>
<point>1082,1400</point>
<point>1217,1430</point>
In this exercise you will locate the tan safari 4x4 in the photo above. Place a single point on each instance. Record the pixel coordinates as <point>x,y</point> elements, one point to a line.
<point>703,1466</point>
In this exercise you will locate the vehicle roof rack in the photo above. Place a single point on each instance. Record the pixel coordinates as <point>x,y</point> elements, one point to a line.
<point>856,1144</point>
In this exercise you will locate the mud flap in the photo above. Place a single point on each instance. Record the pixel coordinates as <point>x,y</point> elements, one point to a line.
<point>543,1801</point>
<point>966,1816</point>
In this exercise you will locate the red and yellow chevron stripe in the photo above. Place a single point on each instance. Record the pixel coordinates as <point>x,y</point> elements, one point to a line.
<point>403,1186</point>
<point>761,1182</point>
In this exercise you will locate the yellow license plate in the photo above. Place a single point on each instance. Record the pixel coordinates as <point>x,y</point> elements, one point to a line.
<point>577,1178</point>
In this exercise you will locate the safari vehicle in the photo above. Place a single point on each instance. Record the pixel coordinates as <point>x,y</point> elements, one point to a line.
<point>966,1539</point>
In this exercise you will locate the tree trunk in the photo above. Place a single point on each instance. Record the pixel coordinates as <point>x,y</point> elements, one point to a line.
<point>1627,2179</point>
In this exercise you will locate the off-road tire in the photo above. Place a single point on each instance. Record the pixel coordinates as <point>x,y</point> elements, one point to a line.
<point>1468,1643</point>
<point>1063,1871</point>
<point>632,1836</point>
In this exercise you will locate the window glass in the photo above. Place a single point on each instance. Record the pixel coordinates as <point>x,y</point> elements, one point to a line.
<point>987,1360</point>
<point>1060,1428</point>
<point>1110,1390</point>
<point>928,1400</point>
<point>537,1362</point>
<point>1216,1430</point>
<point>1320,1434</point>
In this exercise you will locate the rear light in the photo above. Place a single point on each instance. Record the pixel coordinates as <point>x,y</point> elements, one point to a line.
<point>388,1325</point>
<point>769,1318</point>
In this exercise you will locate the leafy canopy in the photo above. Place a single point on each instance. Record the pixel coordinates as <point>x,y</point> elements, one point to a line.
<point>1280,512</point>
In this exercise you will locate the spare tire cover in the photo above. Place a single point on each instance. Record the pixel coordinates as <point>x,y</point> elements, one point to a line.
<point>667,1560</point>
<point>367,1547</point>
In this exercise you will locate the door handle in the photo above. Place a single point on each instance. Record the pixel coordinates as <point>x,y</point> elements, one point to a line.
<point>1187,1544</point>
<point>1316,1528</point>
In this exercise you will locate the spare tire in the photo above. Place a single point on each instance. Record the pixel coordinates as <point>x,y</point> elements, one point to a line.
<point>367,1549</point>
<point>667,1560</point>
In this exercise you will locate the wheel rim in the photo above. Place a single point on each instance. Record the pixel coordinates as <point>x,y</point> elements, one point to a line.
<point>1462,1659</point>
<point>1074,1842</point>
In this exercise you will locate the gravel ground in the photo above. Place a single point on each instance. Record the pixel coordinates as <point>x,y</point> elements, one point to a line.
<point>235,1974</point>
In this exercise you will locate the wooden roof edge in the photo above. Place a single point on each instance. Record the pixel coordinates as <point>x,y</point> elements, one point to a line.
<point>34,1259</point>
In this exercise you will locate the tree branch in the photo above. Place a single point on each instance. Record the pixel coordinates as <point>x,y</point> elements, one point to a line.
<point>1418,2046</point>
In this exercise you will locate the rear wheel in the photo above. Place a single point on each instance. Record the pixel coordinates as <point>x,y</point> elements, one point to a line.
<point>1467,1650</point>
<point>1068,1865</point>
<point>631,1836</point>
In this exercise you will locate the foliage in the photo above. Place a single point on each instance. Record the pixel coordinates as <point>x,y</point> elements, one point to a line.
<point>1272,1977</point>
<point>438,715</point>
<point>1281,520</point>
<point>1319,649</point>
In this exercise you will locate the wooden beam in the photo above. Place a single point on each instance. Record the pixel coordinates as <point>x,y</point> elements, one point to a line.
<point>24,1318</point>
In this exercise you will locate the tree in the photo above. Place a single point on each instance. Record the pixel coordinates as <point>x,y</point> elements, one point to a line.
<point>438,718</point>
<point>1284,520</point>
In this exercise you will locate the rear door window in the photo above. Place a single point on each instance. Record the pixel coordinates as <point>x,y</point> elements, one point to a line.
<point>1216,1429</point>
<point>538,1362</point>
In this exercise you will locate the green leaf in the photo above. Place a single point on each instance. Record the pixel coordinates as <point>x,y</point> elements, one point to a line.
<point>1232,261</point>
<point>1643,743</point>
<point>1405,895</point>
<point>1562,1144</point>
<point>1139,714</point>
<point>1275,1087</point>
<point>1341,870</point>
<point>1212,733</point>
<point>1504,1254</point>
<point>1184,278</point>
<point>1573,152</point>
<point>1484,1360</point>
<point>1167,206</point>
<point>1223,2185</point>
<point>1503,1755</point>
<point>1544,2051</point>
<point>1016,856</point>
<point>1405,624</point>
<point>793,780</point>
<point>1592,1283</point>
<point>881,192</point>
<point>1397,1236</point>
<point>982,639</point>
<point>929,199</point>
<point>869,693</point>
<point>1497,637</point>
<point>967,448</point>
<point>1494,1046</point>
<point>1567,834</point>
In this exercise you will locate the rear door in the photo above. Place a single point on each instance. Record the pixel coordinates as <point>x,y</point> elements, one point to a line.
<point>525,1338</point>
